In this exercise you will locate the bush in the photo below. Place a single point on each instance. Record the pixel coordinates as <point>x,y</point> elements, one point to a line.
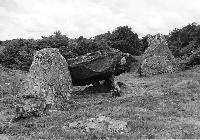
<point>54,41</point>
<point>185,41</point>
<point>18,53</point>
<point>123,39</point>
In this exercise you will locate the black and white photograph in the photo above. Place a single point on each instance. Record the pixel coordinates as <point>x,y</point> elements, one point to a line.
<point>99,69</point>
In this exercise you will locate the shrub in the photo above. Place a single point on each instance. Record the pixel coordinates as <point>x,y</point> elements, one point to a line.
<point>18,53</point>
<point>185,41</point>
<point>123,39</point>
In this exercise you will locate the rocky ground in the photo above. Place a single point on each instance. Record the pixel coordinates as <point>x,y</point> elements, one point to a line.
<point>162,106</point>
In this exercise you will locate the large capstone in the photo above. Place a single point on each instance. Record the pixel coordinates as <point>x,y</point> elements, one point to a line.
<point>47,84</point>
<point>97,66</point>
<point>157,59</point>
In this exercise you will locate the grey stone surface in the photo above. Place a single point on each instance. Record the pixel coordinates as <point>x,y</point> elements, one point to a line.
<point>47,83</point>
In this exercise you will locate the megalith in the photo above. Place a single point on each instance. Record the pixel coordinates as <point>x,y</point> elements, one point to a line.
<point>48,83</point>
<point>157,58</point>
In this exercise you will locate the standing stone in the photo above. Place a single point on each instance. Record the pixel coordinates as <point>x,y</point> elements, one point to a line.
<point>157,59</point>
<point>158,47</point>
<point>48,83</point>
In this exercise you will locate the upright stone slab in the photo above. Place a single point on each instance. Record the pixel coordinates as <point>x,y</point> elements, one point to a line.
<point>158,47</point>
<point>157,59</point>
<point>49,81</point>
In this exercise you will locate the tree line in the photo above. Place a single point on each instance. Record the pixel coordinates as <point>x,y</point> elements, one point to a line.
<point>18,53</point>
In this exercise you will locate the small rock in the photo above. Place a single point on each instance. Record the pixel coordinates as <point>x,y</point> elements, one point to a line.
<point>101,124</point>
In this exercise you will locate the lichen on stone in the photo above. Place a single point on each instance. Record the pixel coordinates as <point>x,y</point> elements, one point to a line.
<point>48,79</point>
<point>157,59</point>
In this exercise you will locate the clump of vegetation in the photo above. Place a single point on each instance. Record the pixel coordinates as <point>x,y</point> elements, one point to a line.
<point>123,39</point>
<point>185,41</point>
<point>18,53</point>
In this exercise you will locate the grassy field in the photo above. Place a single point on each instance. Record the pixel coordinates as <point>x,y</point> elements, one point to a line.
<point>162,106</point>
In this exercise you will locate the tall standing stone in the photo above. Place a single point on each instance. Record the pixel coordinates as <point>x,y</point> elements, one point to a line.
<point>157,58</point>
<point>49,81</point>
<point>158,47</point>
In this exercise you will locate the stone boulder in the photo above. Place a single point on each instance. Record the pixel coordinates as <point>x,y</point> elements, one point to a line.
<point>157,58</point>
<point>101,65</point>
<point>48,83</point>
<point>102,124</point>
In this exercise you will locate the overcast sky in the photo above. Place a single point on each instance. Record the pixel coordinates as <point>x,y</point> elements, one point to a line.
<point>36,18</point>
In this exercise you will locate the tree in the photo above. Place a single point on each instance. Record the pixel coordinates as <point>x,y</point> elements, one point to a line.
<point>53,41</point>
<point>125,40</point>
<point>86,46</point>
<point>184,41</point>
